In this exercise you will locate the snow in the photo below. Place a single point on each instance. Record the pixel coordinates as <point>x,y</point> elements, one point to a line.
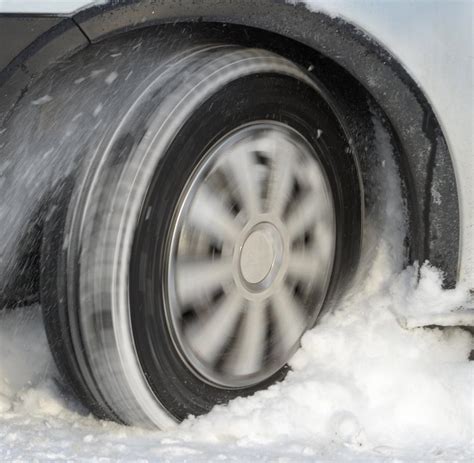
<point>110,78</point>
<point>362,388</point>
<point>41,101</point>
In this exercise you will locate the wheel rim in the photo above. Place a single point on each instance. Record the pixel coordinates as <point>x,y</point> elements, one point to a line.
<point>250,255</point>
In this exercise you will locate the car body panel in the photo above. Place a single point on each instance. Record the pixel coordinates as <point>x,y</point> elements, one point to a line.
<point>29,45</point>
<point>23,31</point>
<point>419,34</point>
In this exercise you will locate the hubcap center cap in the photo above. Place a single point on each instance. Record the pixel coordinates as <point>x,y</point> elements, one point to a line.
<point>257,256</point>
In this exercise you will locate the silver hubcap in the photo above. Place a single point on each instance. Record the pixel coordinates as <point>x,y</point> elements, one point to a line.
<point>251,255</point>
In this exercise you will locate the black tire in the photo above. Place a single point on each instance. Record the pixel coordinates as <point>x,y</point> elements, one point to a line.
<point>102,248</point>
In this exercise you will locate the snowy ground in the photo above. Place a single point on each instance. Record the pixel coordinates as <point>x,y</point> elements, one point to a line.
<point>362,389</point>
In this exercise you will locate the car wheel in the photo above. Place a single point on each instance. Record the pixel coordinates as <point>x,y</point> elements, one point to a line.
<point>201,236</point>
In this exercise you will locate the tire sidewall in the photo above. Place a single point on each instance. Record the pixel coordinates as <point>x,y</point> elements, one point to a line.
<point>107,205</point>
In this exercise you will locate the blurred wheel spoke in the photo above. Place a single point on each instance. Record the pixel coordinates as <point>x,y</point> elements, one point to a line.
<point>303,266</point>
<point>280,181</point>
<point>209,214</point>
<point>249,350</point>
<point>209,337</point>
<point>198,278</point>
<point>240,166</point>
<point>304,215</point>
<point>289,316</point>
